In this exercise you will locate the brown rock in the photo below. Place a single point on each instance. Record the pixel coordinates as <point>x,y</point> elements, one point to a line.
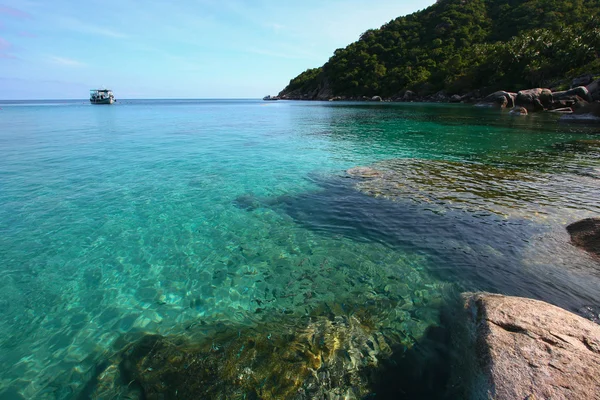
<point>594,90</point>
<point>528,349</point>
<point>573,94</point>
<point>585,234</point>
<point>518,111</point>
<point>534,99</point>
<point>500,99</point>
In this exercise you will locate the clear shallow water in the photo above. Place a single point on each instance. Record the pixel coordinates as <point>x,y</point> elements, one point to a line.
<point>154,216</point>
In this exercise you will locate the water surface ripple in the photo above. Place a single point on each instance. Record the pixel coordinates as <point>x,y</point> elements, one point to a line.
<point>161,215</point>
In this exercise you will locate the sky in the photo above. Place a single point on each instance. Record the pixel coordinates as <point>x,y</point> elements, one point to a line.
<point>60,49</point>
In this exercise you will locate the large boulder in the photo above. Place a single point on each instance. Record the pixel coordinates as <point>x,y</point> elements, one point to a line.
<point>582,80</point>
<point>518,111</point>
<point>499,99</point>
<point>409,95</point>
<point>528,349</point>
<point>594,90</point>
<point>572,94</point>
<point>537,99</point>
<point>585,234</point>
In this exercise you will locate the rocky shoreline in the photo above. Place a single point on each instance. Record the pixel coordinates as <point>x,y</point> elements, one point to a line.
<point>491,347</point>
<point>580,102</point>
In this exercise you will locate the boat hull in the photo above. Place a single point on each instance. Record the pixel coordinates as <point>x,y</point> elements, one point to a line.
<point>102,101</point>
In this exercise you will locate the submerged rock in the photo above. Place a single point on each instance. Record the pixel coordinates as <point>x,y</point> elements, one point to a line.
<point>456,185</point>
<point>585,234</point>
<point>364,172</point>
<point>326,357</point>
<point>528,349</point>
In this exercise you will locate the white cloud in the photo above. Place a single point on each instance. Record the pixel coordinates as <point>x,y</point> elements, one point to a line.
<point>88,28</point>
<point>68,62</point>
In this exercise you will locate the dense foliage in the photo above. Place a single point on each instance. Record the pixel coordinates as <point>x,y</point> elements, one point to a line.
<point>461,45</point>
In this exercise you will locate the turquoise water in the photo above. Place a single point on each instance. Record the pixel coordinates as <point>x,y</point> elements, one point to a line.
<point>153,216</point>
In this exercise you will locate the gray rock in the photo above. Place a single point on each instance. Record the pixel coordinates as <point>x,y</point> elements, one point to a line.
<point>563,110</point>
<point>583,80</point>
<point>518,111</point>
<point>409,95</point>
<point>572,94</point>
<point>376,98</point>
<point>499,99</point>
<point>528,349</point>
<point>537,99</point>
<point>585,234</point>
<point>594,90</point>
<point>455,98</point>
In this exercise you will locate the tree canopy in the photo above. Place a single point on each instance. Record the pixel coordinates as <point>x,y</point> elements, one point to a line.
<point>461,45</point>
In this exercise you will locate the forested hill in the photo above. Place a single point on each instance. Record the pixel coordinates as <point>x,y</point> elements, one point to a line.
<point>461,45</point>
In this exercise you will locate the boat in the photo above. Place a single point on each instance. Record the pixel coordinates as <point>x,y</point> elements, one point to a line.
<point>101,96</point>
<point>270,98</point>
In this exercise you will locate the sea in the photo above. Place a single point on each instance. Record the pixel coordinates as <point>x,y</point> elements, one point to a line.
<point>165,217</point>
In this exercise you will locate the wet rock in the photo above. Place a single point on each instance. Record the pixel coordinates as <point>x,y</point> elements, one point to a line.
<point>572,94</point>
<point>324,358</point>
<point>537,99</point>
<point>499,99</point>
<point>585,234</point>
<point>409,95</point>
<point>594,90</point>
<point>518,111</point>
<point>376,98</point>
<point>588,113</point>
<point>455,98</point>
<point>565,110</point>
<point>528,349</point>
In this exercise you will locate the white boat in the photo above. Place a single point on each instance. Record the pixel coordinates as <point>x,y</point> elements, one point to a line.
<point>101,96</point>
<point>270,98</point>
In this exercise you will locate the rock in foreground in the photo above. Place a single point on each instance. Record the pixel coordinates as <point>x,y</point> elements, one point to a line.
<point>528,349</point>
<point>585,234</point>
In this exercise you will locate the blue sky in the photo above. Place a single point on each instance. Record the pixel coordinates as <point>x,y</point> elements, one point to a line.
<point>180,49</point>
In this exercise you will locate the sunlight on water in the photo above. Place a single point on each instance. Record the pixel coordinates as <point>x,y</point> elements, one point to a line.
<point>179,217</point>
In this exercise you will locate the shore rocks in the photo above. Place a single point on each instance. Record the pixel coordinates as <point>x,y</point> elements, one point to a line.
<point>580,92</point>
<point>409,96</point>
<point>537,99</point>
<point>499,99</point>
<point>528,349</point>
<point>594,90</point>
<point>376,98</point>
<point>585,234</point>
<point>518,111</point>
<point>582,80</point>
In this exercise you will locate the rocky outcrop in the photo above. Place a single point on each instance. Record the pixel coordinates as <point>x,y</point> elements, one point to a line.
<point>537,99</point>
<point>594,90</point>
<point>409,95</point>
<point>580,92</point>
<point>582,80</point>
<point>585,234</point>
<point>518,111</point>
<point>499,99</point>
<point>528,349</point>
<point>376,98</point>
<point>586,113</point>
